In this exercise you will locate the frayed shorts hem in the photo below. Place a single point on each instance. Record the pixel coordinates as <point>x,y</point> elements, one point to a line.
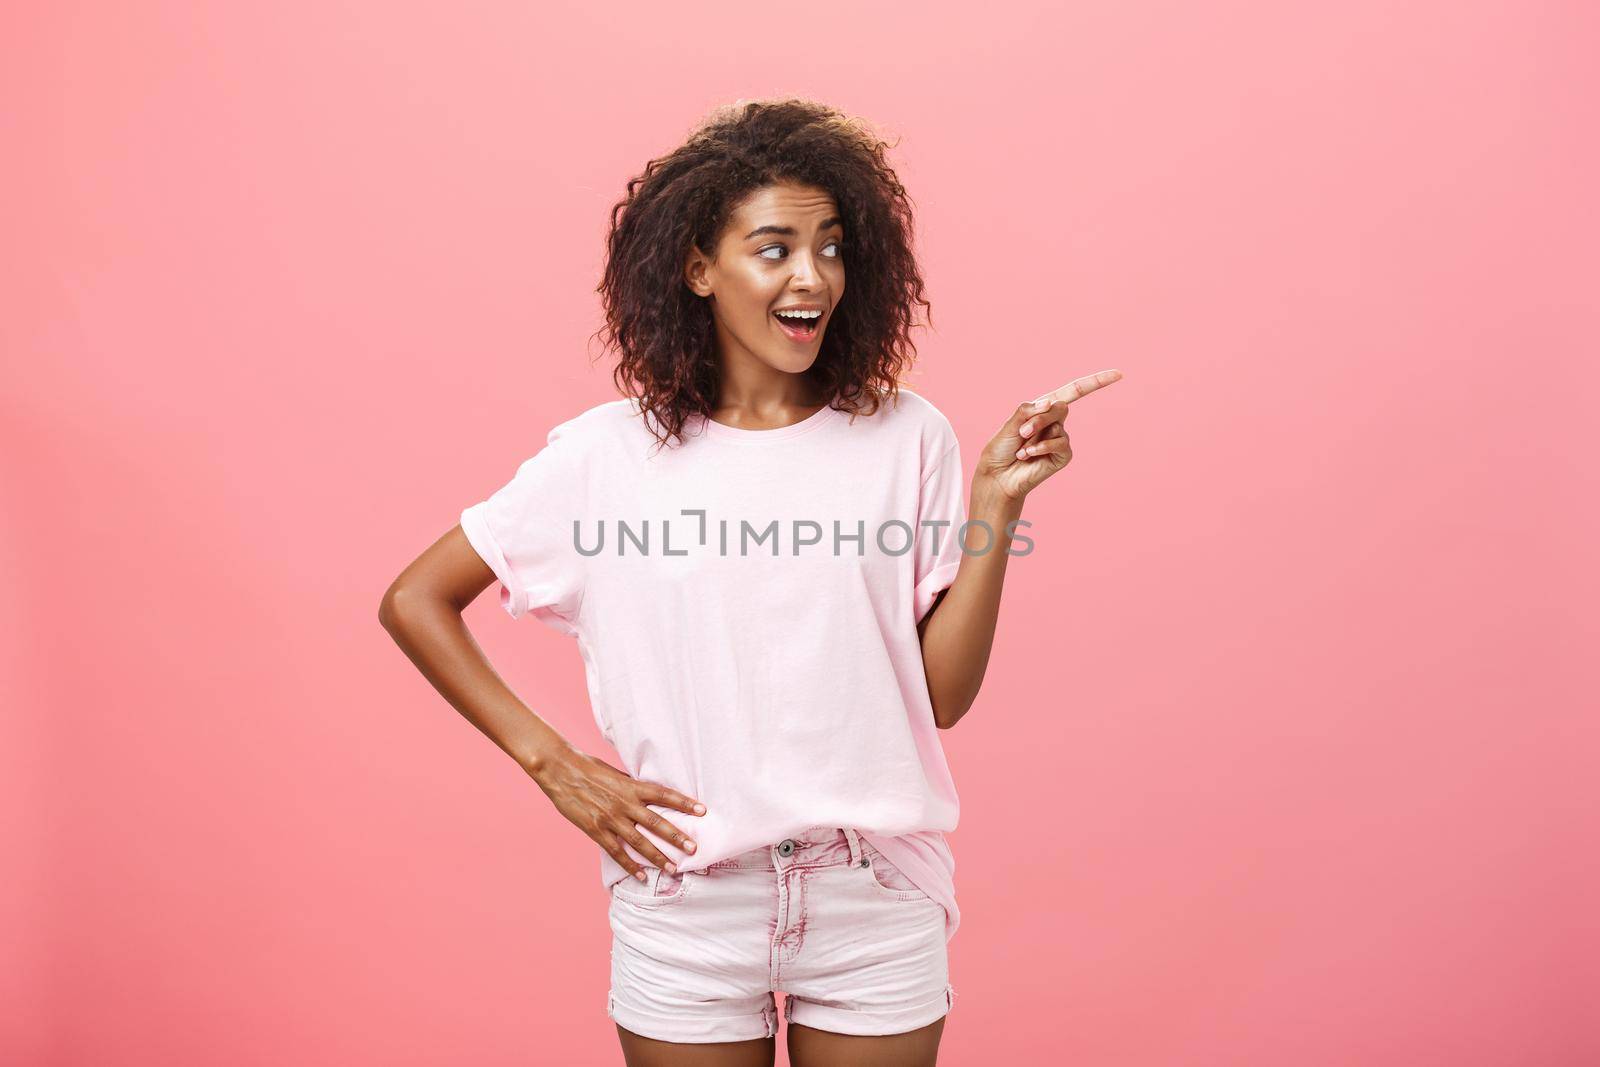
<point>862,1023</point>
<point>692,1030</point>
<point>854,1022</point>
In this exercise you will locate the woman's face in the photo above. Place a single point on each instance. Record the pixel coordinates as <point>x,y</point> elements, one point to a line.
<point>782,250</point>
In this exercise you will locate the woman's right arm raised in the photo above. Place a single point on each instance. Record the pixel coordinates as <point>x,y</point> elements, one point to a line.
<point>422,610</point>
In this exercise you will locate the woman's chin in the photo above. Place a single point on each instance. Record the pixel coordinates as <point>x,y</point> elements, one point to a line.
<point>793,362</point>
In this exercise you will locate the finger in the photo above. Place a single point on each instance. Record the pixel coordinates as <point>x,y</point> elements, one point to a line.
<point>656,793</point>
<point>1015,420</point>
<point>646,847</point>
<point>1082,387</point>
<point>1059,446</point>
<point>649,820</point>
<point>1023,413</point>
<point>1049,416</point>
<point>627,833</point>
<point>613,848</point>
<point>1047,433</point>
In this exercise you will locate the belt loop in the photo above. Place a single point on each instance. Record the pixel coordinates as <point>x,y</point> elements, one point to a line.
<point>855,845</point>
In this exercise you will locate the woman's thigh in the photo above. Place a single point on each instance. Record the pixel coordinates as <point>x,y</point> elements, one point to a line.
<point>809,1047</point>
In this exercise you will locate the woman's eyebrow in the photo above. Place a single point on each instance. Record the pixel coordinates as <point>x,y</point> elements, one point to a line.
<point>790,231</point>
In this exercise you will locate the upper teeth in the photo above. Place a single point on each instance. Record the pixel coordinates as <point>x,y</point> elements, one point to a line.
<point>799,314</point>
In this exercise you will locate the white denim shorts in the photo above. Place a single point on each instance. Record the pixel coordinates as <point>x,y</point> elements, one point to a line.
<point>855,947</point>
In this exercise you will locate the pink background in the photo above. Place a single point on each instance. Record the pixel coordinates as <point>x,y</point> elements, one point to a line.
<point>1282,754</point>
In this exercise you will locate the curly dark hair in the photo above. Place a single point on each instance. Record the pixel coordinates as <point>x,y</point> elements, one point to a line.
<point>664,332</point>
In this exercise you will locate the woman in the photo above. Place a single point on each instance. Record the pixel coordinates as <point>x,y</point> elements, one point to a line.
<point>757,551</point>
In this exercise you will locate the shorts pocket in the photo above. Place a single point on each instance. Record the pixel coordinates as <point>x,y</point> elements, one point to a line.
<point>662,890</point>
<point>889,881</point>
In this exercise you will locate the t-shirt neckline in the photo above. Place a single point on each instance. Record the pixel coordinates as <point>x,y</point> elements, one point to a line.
<point>722,432</point>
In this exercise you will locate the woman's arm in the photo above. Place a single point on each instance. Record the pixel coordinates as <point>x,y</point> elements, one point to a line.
<point>421,610</point>
<point>958,632</point>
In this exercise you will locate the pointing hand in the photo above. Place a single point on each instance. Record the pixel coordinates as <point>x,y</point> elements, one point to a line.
<point>1033,443</point>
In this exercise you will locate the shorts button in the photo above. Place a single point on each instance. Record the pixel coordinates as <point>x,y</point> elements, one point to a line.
<point>787,847</point>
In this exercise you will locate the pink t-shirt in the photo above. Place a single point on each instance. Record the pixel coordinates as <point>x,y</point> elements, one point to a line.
<point>746,603</point>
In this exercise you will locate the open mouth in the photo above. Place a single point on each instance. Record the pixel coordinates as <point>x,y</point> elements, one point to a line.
<point>799,327</point>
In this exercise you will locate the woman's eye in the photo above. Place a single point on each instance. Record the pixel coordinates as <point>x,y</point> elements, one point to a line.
<point>835,245</point>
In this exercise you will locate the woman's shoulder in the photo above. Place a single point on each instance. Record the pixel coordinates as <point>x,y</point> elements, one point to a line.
<point>920,407</point>
<point>600,423</point>
<point>921,417</point>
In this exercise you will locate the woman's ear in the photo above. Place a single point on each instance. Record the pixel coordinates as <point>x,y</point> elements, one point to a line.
<point>696,272</point>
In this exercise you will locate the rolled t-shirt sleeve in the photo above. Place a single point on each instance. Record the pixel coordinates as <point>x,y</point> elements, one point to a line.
<point>941,509</point>
<point>524,532</point>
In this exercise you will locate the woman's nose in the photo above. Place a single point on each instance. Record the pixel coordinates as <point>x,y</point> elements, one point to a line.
<point>805,270</point>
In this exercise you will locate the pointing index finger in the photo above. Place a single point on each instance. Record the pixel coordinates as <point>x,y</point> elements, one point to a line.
<point>1082,387</point>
